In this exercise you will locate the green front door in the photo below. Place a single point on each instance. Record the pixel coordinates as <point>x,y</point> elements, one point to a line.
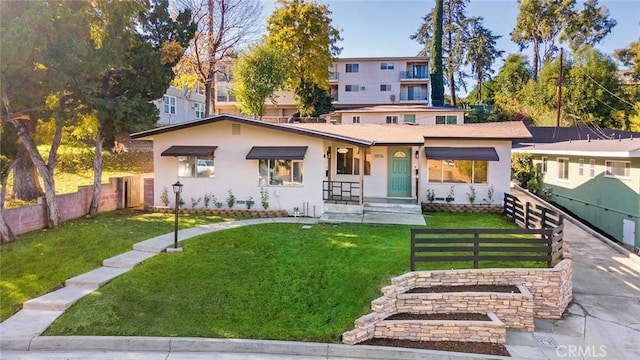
<point>399,172</point>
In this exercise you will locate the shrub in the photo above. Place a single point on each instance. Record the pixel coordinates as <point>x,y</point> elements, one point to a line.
<point>164,196</point>
<point>431,196</point>
<point>231,199</point>
<point>264,198</point>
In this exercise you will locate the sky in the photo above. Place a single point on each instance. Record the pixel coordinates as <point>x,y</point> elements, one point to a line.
<point>377,28</point>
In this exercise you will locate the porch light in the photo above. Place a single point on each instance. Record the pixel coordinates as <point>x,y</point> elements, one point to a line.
<point>343,150</point>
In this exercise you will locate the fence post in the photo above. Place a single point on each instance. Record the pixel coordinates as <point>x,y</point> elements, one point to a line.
<point>412,266</point>
<point>550,247</point>
<point>544,218</point>
<point>527,208</point>
<point>476,249</point>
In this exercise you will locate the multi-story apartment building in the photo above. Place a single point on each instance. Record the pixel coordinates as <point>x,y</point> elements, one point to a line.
<point>353,82</point>
<point>180,105</point>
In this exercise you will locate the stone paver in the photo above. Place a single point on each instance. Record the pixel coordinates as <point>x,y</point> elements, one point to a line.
<point>96,278</point>
<point>156,244</point>
<point>60,299</point>
<point>373,218</point>
<point>37,320</point>
<point>129,259</point>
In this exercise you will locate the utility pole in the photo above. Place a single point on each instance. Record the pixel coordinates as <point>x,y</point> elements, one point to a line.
<point>559,90</point>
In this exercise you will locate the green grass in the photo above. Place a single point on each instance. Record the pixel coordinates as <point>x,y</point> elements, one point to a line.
<point>40,261</point>
<point>272,281</point>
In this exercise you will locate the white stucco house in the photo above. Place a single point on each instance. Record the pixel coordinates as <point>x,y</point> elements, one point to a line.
<point>318,164</point>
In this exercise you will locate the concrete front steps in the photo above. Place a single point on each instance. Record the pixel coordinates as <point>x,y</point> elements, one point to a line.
<point>378,207</point>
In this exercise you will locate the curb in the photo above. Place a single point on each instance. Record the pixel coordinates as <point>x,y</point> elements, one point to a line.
<point>208,345</point>
<point>612,244</point>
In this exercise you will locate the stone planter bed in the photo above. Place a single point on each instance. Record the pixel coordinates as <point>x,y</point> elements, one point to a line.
<point>475,208</point>
<point>447,316</point>
<point>464,288</point>
<point>256,213</point>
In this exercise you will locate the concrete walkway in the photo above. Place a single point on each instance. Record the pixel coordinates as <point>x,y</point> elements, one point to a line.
<point>602,322</point>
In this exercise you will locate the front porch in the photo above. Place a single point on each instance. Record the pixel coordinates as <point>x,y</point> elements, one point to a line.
<point>399,211</point>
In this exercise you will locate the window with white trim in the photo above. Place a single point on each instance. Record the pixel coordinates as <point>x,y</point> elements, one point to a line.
<point>351,88</point>
<point>355,119</point>
<point>199,110</point>
<point>385,87</point>
<point>352,68</point>
<point>581,167</point>
<point>169,104</point>
<point>348,161</point>
<point>457,171</point>
<point>386,66</point>
<point>544,166</point>
<point>617,169</point>
<point>592,168</point>
<point>392,119</point>
<point>563,169</point>
<point>192,166</point>
<point>410,118</point>
<point>448,119</point>
<point>280,172</point>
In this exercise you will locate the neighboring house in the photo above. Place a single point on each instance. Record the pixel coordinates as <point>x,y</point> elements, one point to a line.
<point>180,105</point>
<point>353,82</point>
<point>596,179</point>
<point>318,163</point>
<point>399,114</point>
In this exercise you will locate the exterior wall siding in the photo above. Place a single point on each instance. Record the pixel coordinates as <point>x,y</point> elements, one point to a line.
<point>185,110</point>
<point>422,118</point>
<point>602,201</point>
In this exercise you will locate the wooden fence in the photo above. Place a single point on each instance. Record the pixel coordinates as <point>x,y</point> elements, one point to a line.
<point>540,239</point>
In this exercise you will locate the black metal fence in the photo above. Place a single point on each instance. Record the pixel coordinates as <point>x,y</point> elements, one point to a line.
<point>540,239</point>
<point>341,192</point>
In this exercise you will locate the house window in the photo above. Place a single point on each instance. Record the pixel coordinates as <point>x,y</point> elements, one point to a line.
<point>392,119</point>
<point>199,110</point>
<point>199,89</point>
<point>581,167</point>
<point>348,161</point>
<point>592,168</point>
<point>351,88</point>
<point>386,66</point>
<point>352,68</point>
<point>191,166</point>
<point>617,169</point>
<point>280,172</point>
<point>410,118</point>
<point>544,166</point>
<point>458,171</point>
<point>169,104</point>
<point>355,119</point>
<point>448,119</point>
<point>385,87</point>
<point>563,169</point>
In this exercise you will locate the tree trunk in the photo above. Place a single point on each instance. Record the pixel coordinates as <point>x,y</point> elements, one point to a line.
<point>437,80</point>
<point>25,177</point>
<point>479,95</point>
<point>97,176</point>
<point>46,170</point>
<point>210,85</point>
<point>452,87</point>
<point>6,235</point>
<point>536,58</point>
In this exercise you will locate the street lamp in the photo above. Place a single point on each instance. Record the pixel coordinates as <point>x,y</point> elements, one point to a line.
<point>177,189</point>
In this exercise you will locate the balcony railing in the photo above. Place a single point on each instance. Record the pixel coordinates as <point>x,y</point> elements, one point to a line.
<point>410,75</point>
<point>334,76</point>
<point>414,97</point>
<point>226,98</point>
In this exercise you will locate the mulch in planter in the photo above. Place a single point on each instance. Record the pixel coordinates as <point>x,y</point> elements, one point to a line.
<point>450,316</point>
<point>465,288</point>
<point>458,346</point>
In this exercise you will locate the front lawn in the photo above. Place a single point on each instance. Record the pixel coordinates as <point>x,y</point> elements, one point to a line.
<point>40,261</point>
<point>272,281</point>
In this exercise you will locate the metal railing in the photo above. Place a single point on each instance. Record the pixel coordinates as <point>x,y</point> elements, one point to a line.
<point>345,192</point>
<point>410,75</point>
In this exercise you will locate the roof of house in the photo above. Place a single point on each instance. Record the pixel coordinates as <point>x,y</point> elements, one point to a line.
<point>390,109</point>
<point>369,134</point>
<point>626,147</point>
<point>551,134</point>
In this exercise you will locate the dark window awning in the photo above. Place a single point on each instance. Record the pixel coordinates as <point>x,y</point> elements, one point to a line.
<point>179,150</point>
<point>456,153</point>
<point>277,153</point>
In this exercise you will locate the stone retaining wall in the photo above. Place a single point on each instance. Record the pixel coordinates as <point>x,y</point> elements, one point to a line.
<point>493,331</point>
<point>550,289</point>
<point>257,213</point>
<point>467,208</point>
<point>514,309</point>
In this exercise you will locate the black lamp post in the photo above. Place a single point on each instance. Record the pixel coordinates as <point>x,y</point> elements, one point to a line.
<point>177,189</point>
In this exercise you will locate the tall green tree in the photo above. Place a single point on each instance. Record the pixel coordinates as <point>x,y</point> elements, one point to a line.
<point>508,84</point>
<point>437,81</point>
<point>257,74</point>
<point>454,42</point>
<point>630,57</point>
<point>302,29</point>
<point>481,52</point>
<point>587,26</point>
